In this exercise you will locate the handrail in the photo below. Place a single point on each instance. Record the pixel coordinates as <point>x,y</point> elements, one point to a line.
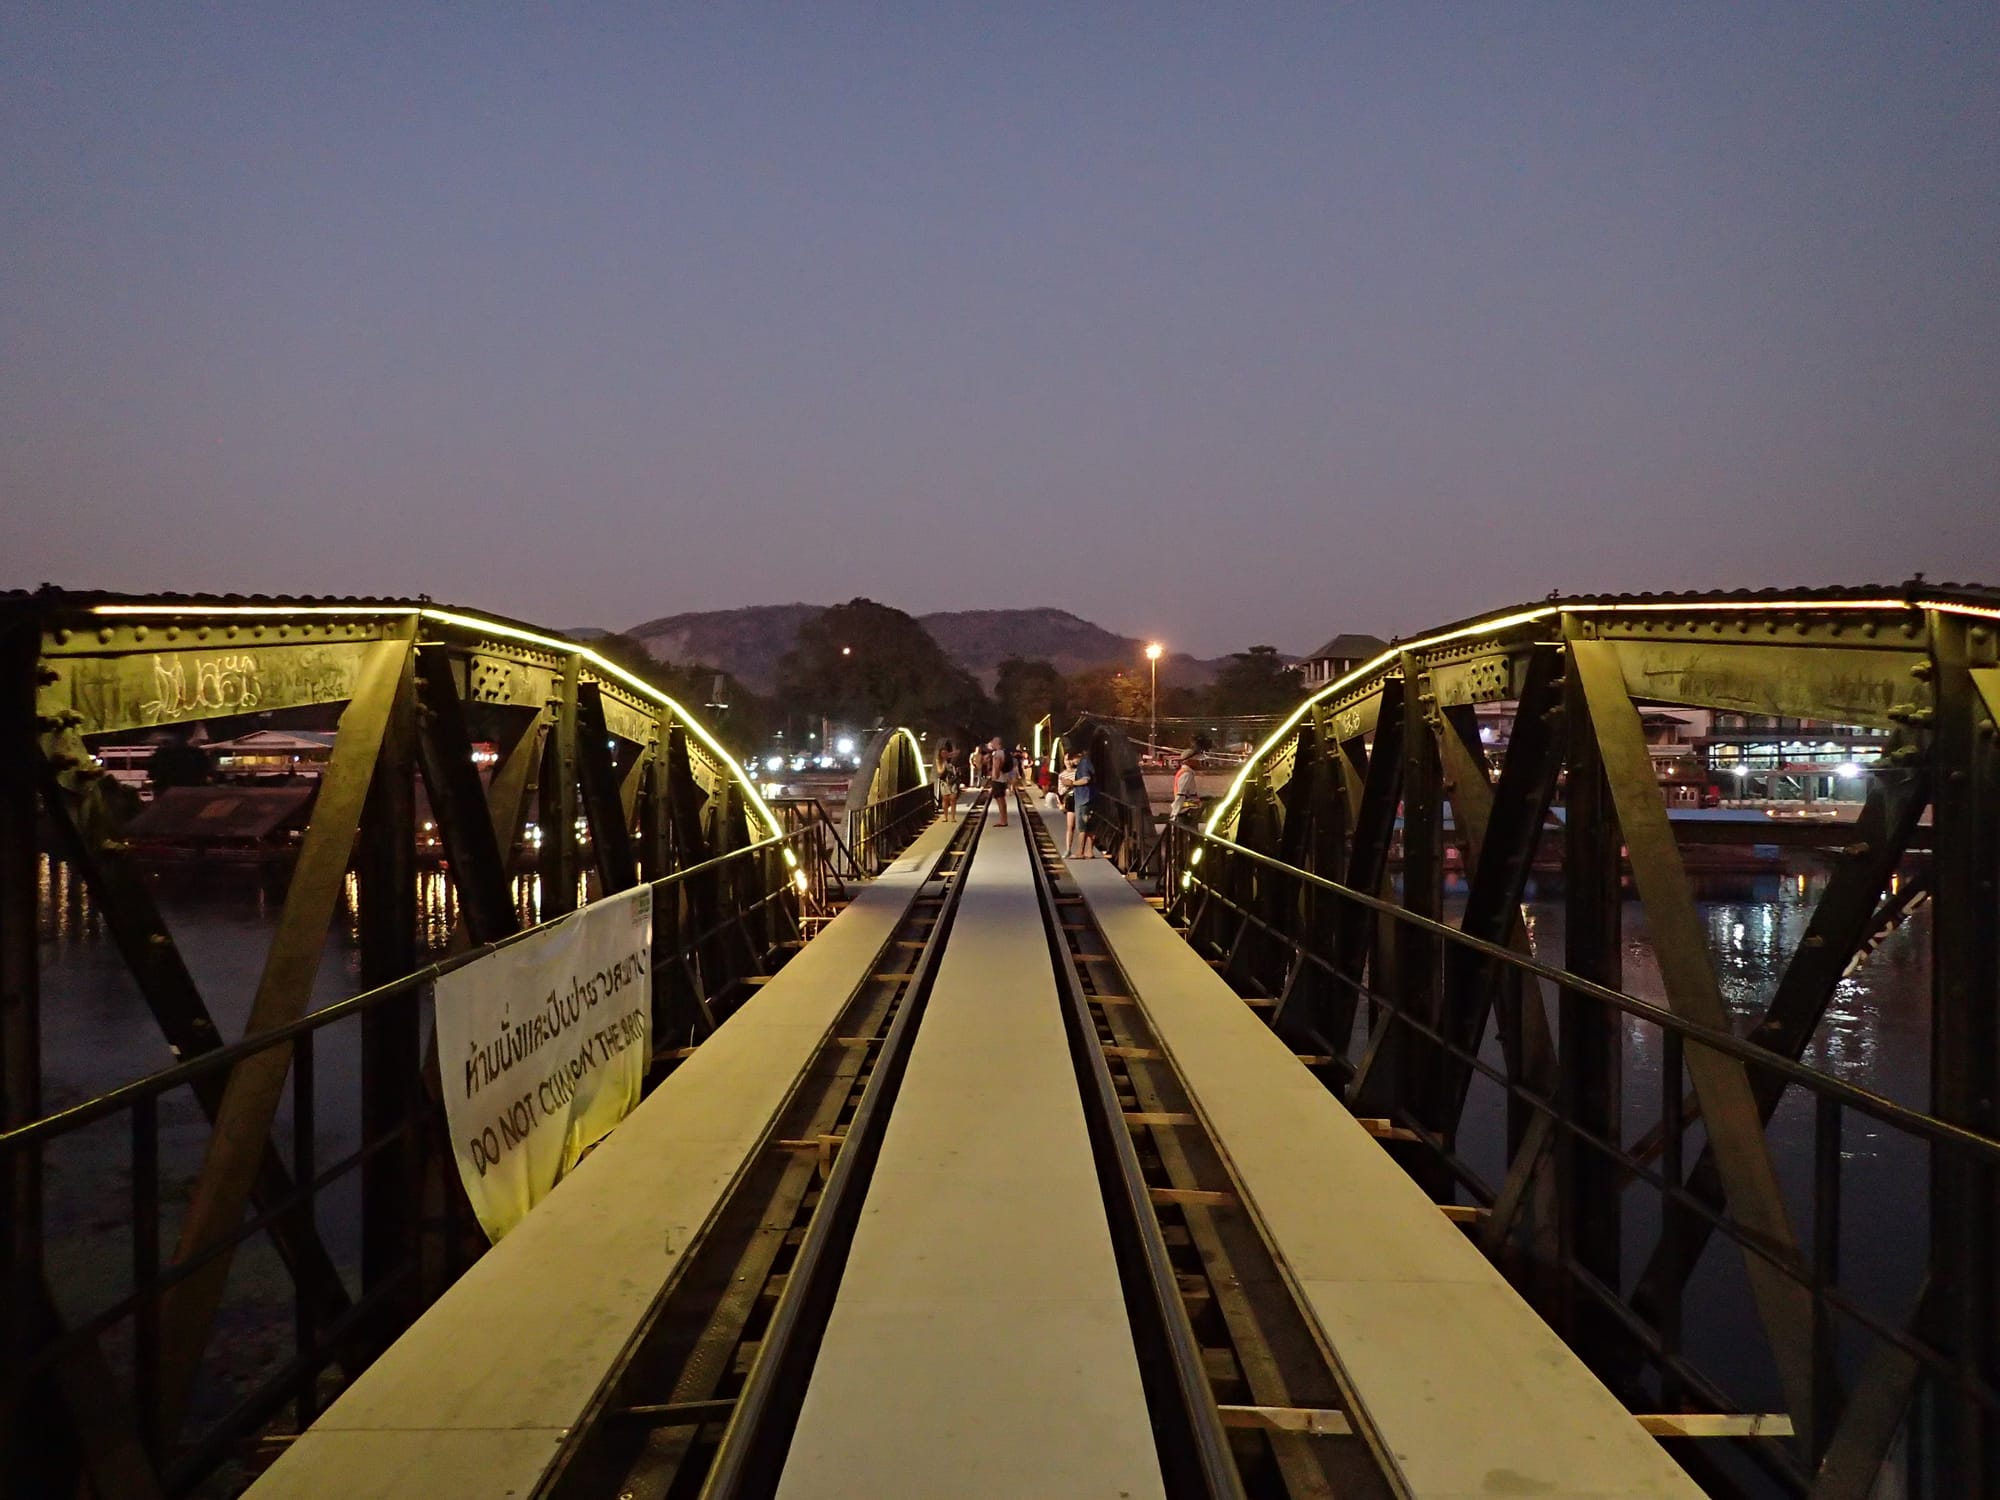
<point>182,1073</point>
<point>1868,1102</point>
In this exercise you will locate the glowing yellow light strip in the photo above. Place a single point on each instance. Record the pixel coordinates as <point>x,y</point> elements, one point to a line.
<point>637,684</point>
<point>917,745</point>
<point>1528,616</point>
<point>1361,674</point>
<point>258,611</point>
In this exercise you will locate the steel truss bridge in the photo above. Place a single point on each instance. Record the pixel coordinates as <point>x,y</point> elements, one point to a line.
<point>1288,1140</point>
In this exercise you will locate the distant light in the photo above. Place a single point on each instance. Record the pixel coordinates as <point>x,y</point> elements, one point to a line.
<point>799,880</point>
<point>845,745</point>
<point>846,650</point>
<point>1741,770</point>
<point>1155,651</point>
<point>1848,771</point>
<point>774,763</point>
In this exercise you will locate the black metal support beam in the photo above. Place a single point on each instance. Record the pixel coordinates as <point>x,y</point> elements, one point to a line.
<point>392,1047</point>
<point>1589,1042</point>
<point>603,801</point>
<point>1842,921</point>
<point>556,798</point>
<point>1403,1071</point>
<point>1729,1108</point>
<point>1965,1045</point>
<point>20,1040</point>
<point>1502,831</point>
<point>459,804</point>
<point>250,1101</point>
<point>1374,823</point>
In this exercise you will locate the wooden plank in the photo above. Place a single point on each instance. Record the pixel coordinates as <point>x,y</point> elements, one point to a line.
<point>1201,1197</point>
<point>1159,1117</point>
<point>1322,1423</point>
<point>1311,1422</point>
<point>1134,1054</point>
<point>1695,1424</point>
<point>1385,1130</point>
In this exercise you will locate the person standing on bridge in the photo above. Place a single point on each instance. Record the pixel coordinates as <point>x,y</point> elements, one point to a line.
<point>1080,773</point>
<point>998,775</point>
<point>947,780</point>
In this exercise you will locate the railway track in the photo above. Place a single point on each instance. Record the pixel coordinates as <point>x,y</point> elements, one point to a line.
<point>708,1397</point>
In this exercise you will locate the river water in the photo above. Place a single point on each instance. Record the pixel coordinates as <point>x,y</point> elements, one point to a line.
<point>97,1033</point>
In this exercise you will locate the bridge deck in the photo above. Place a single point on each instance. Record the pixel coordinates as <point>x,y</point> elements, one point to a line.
<point>1468,1390</point>
<point>980,1344</point>
<point>475,1397</point>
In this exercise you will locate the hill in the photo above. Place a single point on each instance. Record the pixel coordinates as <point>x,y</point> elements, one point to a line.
<point>748,642</point>
<point>743,642</point>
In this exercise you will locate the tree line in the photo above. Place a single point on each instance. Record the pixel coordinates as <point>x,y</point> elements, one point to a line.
<point>864,664</point>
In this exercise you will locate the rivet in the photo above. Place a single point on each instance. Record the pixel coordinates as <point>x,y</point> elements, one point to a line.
<point>139,632</point>
<point>104,635</point>
<point>230,631</point>
<point>201,632</point>
<point>173,632</point>
<point>62,636</point>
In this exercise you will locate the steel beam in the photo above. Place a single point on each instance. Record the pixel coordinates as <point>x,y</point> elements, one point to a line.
<point>459,804</point>
<point>1965,1048</point>
<point>1844,918</point>
<point>1729,1107</point>
<point>556,797</point>
<point>610,834</point>
<point>1403,1070</point>
<point>392,1048</point>
<point>1590,1036</point>
<point>250,1101</point>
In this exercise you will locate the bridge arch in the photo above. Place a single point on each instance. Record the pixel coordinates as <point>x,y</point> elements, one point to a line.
<point>889,798</point>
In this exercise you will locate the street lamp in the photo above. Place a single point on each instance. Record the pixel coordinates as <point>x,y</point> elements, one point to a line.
<point>1153,734</point>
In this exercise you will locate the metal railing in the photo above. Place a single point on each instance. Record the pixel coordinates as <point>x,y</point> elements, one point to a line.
<point>879,831</point>
<point>1858,1400</point>
<point>716,923</point>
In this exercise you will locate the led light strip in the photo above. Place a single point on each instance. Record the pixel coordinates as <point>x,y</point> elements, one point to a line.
<point>917,746</point>
<point>1527,617</point>
<point>556,644</point>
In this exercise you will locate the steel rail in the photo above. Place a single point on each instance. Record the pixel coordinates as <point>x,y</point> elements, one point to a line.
<point>1195,1457</point>
<point>758,1437</point>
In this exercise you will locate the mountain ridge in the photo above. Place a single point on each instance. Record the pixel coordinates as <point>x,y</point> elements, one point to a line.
<point>748,641</point>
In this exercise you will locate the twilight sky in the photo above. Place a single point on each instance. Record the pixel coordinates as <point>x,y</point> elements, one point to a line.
<point>1222,323</point>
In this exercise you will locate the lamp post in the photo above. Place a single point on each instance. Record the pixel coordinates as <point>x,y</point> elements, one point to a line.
<point>1153,733</point>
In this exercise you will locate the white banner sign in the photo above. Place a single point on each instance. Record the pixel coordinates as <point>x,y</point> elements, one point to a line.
<point>543,1047</point>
